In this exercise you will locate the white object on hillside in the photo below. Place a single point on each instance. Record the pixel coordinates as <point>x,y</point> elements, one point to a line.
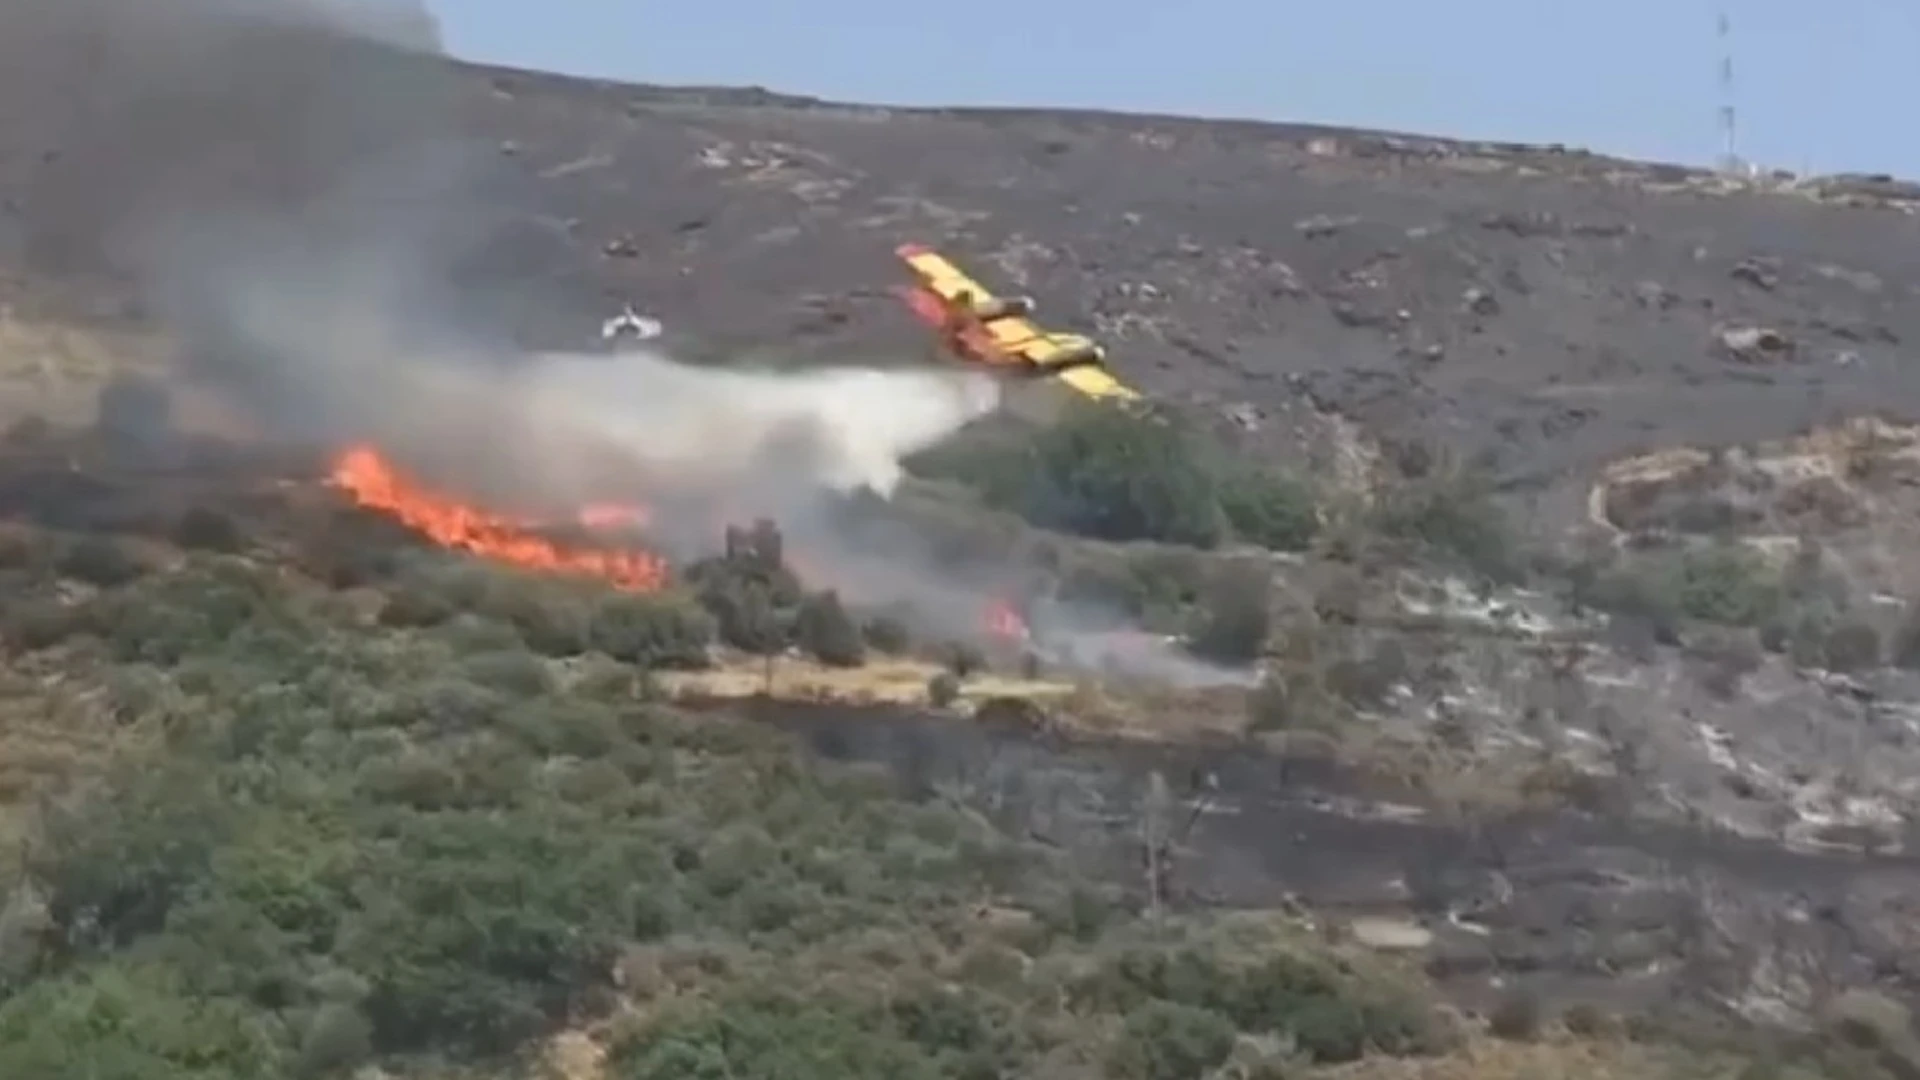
<point>641,327</point>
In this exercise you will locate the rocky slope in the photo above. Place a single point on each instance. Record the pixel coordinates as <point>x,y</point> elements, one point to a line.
<point>1551,308</point>
<point>1554,308</point>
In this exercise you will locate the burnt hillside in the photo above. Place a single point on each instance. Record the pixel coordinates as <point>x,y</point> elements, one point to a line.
<point>1554,308</point>
<point>1549,306</point>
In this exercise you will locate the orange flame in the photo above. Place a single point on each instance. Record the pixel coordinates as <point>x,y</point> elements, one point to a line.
<point>613,516</point>
<point>372,482</point>
<point>1004,622</point>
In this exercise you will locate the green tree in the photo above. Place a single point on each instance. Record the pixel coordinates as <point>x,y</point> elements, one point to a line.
<point>768,1038</point>
<point>824,630</point>
<point>1112,474</point>
<point>133,1023</point>
<point>665,631</point>
<point>1275,512</point>
<point>1167,1041</point>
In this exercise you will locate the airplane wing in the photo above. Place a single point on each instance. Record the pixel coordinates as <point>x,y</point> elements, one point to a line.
<point>996,330</point>
<point>1096,383</point>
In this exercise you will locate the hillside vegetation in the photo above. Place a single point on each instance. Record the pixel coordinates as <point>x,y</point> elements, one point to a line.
<point>323,830</point>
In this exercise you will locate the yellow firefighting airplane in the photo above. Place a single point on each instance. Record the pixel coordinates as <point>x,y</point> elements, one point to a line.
<point>979,327</point>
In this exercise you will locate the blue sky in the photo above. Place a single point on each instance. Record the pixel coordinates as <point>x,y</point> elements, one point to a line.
<point>1825,86</point>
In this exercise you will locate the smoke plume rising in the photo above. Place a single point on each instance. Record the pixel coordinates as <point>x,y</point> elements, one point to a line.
<point>288,187</point>
<point>285,182</point>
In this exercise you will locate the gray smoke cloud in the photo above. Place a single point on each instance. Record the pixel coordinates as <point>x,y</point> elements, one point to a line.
<point>286,185</point>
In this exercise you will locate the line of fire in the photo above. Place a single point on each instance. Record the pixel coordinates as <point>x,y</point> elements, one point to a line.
<point>605,542</point>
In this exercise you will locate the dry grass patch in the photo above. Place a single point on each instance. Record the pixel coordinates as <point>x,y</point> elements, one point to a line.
<point>879,682</point>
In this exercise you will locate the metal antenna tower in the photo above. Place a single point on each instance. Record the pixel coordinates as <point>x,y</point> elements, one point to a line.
<point>1729,154</point>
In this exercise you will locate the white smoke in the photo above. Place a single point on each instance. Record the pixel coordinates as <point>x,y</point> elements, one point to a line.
<point>839,428</point>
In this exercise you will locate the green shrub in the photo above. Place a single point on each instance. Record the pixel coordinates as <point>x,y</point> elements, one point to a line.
<point>1103,472</point>
<point>1332,1017</point>
<point>1107,473</point>
<point>1852,647</point>
<point>133,1022</point>
<point>98,561</point>
<point>42,622</point>
<point>943,689</point>
<point>411,607</point>
<point>509,671</point>
<point>887,634</point>
<point>1729,584</point>
<point>551,622</point>
<point>964,659</point>
<point>1516,1018</point>
<point>476,931</point>
<point>1163,1040</point>
<point>767,1037</point>
<point>1269,510</point>
<point>1269,705</point>
<point>825,631</point>
<point>1454,515</point>
<point>1234,621</point>
<point>363,848</point>
<point>203,529</point>
<point>662,631</point>
<point>338,1038</point>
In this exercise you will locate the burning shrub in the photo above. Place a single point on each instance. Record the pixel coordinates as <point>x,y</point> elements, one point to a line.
<point>664,630</point>
<point>825,631</point>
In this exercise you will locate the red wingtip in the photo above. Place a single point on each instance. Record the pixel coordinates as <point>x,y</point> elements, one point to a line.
<point>925,305</point>
<point>909,251</point>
